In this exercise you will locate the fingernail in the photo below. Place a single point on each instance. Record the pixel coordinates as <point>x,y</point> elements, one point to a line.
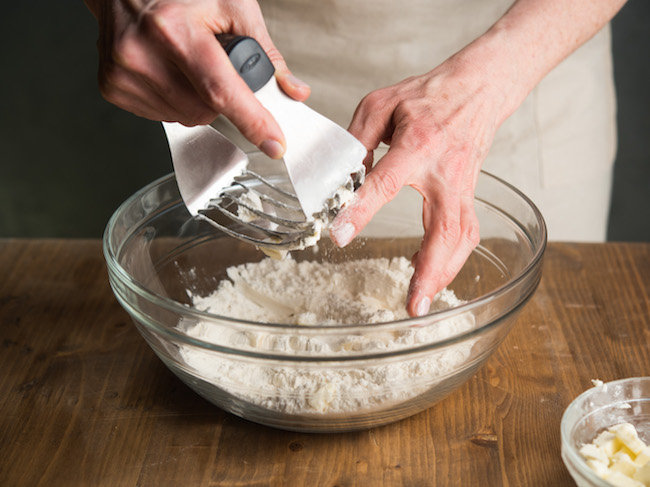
<point>423,306</point>
<point>343,234</point>
<point>296,82</point>
<point>272,148</point>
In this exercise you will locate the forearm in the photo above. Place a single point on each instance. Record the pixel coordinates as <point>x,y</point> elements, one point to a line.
<point>533,37</point>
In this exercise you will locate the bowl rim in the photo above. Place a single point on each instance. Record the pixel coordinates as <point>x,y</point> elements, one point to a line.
<point>177,307</point>
<point>565,429</point>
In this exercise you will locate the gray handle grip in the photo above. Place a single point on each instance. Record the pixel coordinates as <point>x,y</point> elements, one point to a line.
<point>248,58</point>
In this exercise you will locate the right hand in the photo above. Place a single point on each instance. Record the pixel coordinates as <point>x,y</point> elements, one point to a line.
<point>160,60</point>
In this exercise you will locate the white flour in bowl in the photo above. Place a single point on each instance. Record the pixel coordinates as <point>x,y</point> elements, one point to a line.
<point>308,293</point>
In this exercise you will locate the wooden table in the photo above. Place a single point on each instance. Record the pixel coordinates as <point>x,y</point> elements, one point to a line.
<point>84,401</point>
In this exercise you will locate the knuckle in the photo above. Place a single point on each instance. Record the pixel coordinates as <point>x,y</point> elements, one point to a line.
<point>410,108</point>
<point>218,97</point>
<point>198,117</point>
<point>417,130</point>
<point>451,173</point>
<point>450,232</point>
<point>125,53</point>
<point>387,184</point>
<point>256,125</point>
<point>374,100</point>
<point>276,58</point>
<point>447,275</point>
<point>204,117</point>
<point>160,18</point>
<point>418,138</point>
<point>163,24</point>
<point>454,171</point>
<point>109,81</point>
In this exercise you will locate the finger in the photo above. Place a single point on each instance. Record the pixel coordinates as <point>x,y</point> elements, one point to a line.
<point>414,259</point>
<point>381,185</point>
<point>228,93</point>
<point>372,124</point>
<point>442,227</point>
<point>208,68</point>
<point>136,73</point>
<point>444,250</point>
<point>372,120</point>
<point>290,84</point>
<point>129,92</point>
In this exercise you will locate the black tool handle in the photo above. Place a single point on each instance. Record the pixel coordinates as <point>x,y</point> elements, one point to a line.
<point>248,58</point>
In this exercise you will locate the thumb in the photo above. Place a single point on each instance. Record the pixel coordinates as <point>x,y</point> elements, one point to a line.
<point>290,84</point>
<point>381,185</point>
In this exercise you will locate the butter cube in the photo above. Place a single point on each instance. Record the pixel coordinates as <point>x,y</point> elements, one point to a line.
<point>592,452</point>
<point>622,462</point>
<point>626,433</point>
<point>643,475</point>
<point>608,442</point>
<point>643,457</point>
<point>599,468</point>
<point>619,456</point>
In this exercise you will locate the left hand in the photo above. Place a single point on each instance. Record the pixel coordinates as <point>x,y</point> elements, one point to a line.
<point>439,127</point>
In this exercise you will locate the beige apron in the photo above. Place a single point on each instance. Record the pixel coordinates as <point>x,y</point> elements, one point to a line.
<point>558,147</point>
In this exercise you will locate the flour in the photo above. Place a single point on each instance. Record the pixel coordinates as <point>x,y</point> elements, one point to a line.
<point>287,292</point>
<point>310,293</point>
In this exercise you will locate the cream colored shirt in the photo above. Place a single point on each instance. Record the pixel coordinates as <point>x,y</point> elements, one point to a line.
<point>558,147</point>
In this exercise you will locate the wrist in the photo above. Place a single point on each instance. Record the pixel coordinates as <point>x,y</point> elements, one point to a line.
<point>492,66</point>
<point>530,39</point>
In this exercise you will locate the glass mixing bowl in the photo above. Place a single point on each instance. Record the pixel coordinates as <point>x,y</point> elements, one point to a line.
<point>597,409</point>
<point>289,376</point>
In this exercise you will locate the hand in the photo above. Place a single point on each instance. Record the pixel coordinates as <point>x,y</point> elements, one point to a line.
<point>439,127</point>
<point>160,60</point>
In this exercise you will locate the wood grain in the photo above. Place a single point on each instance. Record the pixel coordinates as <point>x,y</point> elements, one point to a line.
<point>83,401</point>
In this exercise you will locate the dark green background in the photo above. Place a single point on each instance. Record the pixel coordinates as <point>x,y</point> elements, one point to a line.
<point>69,158</point>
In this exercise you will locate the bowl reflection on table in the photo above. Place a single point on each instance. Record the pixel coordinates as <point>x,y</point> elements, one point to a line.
<point>158,256</point>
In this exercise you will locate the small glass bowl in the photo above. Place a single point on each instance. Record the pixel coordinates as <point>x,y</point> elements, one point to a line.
<point>158,256</point>
<point>597,409</point>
